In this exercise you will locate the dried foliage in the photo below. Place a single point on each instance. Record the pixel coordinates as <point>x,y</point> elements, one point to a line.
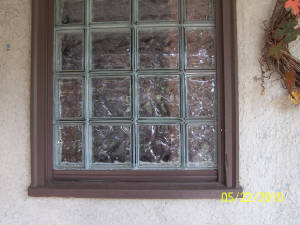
<point>281,30</point>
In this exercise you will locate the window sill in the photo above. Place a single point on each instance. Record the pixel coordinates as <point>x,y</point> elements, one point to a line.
<point>128,191</point>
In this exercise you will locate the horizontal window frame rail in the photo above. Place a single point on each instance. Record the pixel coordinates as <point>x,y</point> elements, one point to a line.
<point>138,175</point>
<point>145,184</point>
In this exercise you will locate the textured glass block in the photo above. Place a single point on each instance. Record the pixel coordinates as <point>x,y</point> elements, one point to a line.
<point>111,97</point>
<point>110,10</point>
<point>201,96</point>
<point>70,98</point>
<point>70,12</point>
<point>199,9</point>
<point>201,49</point>
<point>159,96</point>
<point>111,144</point>
<point>201,145</point>
<point>70,144</point>
<point>159,145</point>
<point>70,48</point>
<point>158,10</point>
<point>158,49</point>
<point>111,49</point>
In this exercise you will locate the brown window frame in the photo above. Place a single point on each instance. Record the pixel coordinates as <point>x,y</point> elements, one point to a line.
<point>186,184</point>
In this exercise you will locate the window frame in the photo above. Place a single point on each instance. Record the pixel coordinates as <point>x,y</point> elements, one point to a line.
<point>145,184</point>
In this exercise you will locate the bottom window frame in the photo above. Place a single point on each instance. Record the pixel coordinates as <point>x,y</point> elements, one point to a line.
<point>137,184</point>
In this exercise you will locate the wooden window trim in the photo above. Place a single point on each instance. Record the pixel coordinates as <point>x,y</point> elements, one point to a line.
<point>133,184</point>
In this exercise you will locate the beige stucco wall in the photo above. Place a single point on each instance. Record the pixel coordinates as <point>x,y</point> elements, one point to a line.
<point>269,143</point>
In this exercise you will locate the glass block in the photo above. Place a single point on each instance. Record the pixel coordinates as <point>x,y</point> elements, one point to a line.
<point>70,98</point>
<point>111,49</point>
<point>111,144</point>
<point>159,145</point>
<point>201,96</point>
<point>70,12</point>
<point>199,10</point>
<point>165,10</point>
<point>159,96</point>
<point>201,145</point>
<point>70,144</point>
<point>110,10</point>
<point>158,49</point>
<point>111,97</point>
<point>70,50</point>
<point>201,48</point>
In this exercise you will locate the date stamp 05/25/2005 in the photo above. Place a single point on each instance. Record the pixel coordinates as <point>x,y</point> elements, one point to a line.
<point>249,197</point>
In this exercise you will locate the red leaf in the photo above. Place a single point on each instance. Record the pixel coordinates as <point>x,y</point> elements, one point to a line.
<point>290,79</point>
<point>294,5</point>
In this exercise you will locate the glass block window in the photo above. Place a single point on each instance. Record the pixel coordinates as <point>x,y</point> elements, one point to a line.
<point>135,85</point>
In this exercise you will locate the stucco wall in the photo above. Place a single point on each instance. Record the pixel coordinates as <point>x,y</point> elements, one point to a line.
<point>269,143</point>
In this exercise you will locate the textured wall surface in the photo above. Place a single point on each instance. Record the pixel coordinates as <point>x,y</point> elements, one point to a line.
<point>269,143</point>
